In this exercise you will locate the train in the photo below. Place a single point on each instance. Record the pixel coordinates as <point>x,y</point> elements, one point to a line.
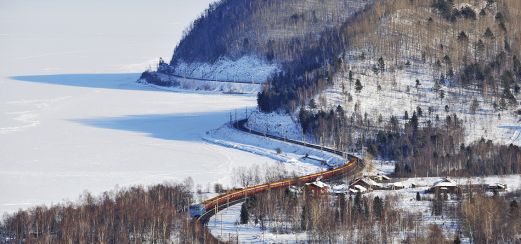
<point>205,208</point>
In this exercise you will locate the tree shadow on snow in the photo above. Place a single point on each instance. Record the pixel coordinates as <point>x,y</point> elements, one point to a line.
<point>124,81</point>
<point>179,127</point>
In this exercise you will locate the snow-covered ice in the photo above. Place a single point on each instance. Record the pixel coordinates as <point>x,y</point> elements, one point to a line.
<point>59,140</point>
<point>61,134</point>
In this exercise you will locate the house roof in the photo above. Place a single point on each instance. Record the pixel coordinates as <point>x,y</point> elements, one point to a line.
<point>398,184</point>
<point>360,188</point>
<point>385,177</point>
<point>367,181</point>
<point>318,184</point>
<point>294,189</point>
<point>446,182</point>
<point>340,187</point>
<point>382,176</point>
<point>499,185</point>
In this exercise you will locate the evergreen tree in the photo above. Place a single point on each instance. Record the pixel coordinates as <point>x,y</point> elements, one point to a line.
<point>303,218</point>
<point>312,104</point>
<point>343,205</point>
<point>358,202</point>
<point>378,207</point>
<point>474,106</point>
<point>245,216</point>
<point>457,240</point>
<point>517,66</point>
<point>513,206</point>
<point>489,34</point>
<point>414,121</point>
<point>358,86</point>
<point>381,64</point>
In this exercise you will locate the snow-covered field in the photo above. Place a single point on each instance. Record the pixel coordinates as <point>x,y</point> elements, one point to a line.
<point>225,226</point>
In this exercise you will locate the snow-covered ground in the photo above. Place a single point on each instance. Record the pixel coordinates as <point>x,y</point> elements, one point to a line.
<point>294,156</point>
<point>423,209</point>
<point>225,226</point>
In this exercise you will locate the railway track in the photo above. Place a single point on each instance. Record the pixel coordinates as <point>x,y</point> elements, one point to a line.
<point>221,81</point>
<point>204,211</point>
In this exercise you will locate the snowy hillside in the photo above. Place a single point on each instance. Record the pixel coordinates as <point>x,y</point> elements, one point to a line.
<point>245,69</point>
<point>278,124</point>
<point>244,76</point>
<point>393,93</point>
<point>175,83</point>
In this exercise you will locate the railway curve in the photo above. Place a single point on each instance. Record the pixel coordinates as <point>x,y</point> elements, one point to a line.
<point>204,211</point>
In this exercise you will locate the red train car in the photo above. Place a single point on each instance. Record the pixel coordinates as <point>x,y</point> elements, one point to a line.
<point>198,210</point>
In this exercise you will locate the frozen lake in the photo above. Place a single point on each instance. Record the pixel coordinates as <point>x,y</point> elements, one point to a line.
<point>72,117</point>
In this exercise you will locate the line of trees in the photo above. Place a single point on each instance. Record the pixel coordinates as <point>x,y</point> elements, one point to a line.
<point>370,218</point>
<point>494,219</point>
<point>420,146</point>
<point>439,151</point>
<point>347,219</point>
<point>157,214</point>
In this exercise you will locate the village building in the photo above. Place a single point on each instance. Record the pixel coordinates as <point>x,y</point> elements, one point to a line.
<point>497,187</point>
<point>318,187</point>
<point>445,185</point>
<point>396,186</point>
<point>340,189</point>
<point>295,190</point>
<point>380,178</point>
<point>367,183</point>
<point>359,188</point>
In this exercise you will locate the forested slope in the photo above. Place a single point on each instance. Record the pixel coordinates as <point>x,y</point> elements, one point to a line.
<point>255,38</point>
<point>271,29</point>
<point>433,77</point>
<point>434,85</point>
<point>472,44</point>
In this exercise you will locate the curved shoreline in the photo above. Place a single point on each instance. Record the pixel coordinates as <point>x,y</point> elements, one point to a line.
<point>214,205</point>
